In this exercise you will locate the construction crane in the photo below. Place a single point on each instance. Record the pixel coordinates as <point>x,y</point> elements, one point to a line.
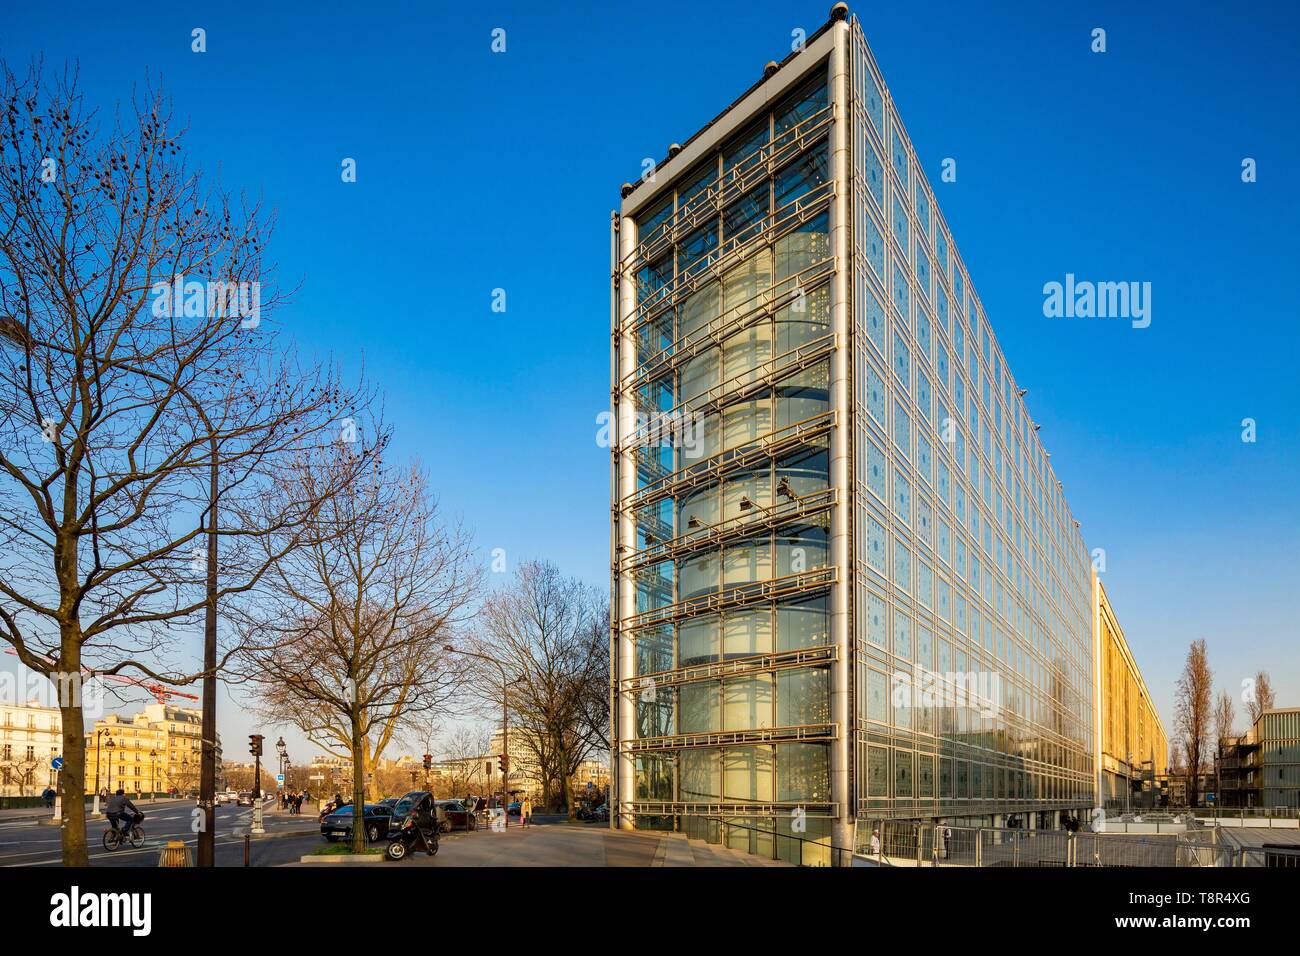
<point>161,692</point>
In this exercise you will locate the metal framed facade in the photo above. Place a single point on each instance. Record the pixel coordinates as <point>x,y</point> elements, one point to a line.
<point>825,485</point>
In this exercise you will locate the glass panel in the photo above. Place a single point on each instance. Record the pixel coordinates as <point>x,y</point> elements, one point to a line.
<point>803,697</point>
<point>747,702</point>
<point>803,624</point>
<point>698,640</point>
<point>701,776</point>
<point>803,773</point>
<point>698,704</point>
<point>747,632</point>
<point>747,775</point>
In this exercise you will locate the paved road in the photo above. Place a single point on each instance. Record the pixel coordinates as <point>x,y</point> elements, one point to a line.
<point>29,843</point>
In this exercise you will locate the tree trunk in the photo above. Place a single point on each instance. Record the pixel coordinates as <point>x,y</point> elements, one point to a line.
<point>569,796</point>
<point>73,828</point>
<point>358,788</point>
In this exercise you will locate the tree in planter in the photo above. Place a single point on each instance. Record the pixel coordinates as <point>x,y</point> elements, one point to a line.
<point>345,643</point>
<point>136,424</point>
<point>551,635</point>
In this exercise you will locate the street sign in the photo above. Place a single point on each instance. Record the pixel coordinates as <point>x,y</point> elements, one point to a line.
<point>279,778</point>
<point>1209,798</point>
<point>56,763</point>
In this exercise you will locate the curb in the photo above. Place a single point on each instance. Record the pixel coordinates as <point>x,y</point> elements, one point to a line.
<point>340,859</point>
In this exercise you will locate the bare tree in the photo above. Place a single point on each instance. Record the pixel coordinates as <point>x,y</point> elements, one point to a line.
<point>465,748</point>
<point>140,384</point>
<point>1224,717</point>
<point>345,642</point>
<point>1261,697</point>
<point>550,634</point>
<point>21,771</point>
<point>1194,705</point>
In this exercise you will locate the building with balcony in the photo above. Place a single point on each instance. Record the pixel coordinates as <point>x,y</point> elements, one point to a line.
<point>158,749</point>
<point>30,736</point>
<point>1261,768</point>
<point>846,584</point>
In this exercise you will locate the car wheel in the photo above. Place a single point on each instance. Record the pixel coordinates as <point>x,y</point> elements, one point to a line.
<point>396,850</point>
<point>372,834</point>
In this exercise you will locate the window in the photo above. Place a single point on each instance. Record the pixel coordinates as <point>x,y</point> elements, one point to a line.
<point>799,106</point>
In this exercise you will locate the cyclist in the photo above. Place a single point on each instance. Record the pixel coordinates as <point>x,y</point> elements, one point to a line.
<point>120,811</point>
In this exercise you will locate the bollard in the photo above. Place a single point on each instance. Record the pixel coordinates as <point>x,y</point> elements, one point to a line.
<point>248,840</point>
<point>175,853</point>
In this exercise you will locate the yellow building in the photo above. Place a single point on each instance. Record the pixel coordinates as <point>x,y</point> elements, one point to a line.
<point>157,750</point>
<point>1131,740</point>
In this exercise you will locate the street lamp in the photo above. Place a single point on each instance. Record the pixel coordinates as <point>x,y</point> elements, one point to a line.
<point>505,726</point>
<point>281,751</point>
<point>110,745</point>
<point>153,776</point>
<point>102,732</point>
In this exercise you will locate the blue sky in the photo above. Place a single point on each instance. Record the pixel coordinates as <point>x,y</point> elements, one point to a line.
<point>478,171</point>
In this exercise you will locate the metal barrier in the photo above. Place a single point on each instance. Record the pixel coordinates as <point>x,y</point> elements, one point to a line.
<point>914,843</point>
<point>767,843</point>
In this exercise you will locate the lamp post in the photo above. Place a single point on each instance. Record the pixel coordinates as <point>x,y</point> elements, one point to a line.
<point>110,745</point>
<point>281,752</point>
<point>98,761</point>
<point>505,727</point>
<point>153,776</point>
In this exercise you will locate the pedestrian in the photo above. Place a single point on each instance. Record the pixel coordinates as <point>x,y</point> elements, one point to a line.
<point>297,804</point>
<point>947,842</point>
<point>875,843</point>
<point>525,811</point>
<point>48,794</point>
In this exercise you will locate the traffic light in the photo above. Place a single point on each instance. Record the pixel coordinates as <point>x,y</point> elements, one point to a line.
<point>503,764</point>
<point>428,761</point>
<point>255,744</point>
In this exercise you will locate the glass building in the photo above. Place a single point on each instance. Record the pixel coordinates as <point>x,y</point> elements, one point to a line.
<point>846,584</point>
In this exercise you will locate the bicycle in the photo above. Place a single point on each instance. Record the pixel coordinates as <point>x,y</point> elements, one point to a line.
<point>113,837</point>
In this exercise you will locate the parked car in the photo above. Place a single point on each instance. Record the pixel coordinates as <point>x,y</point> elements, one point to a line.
<point>339,823</point>
<point>244,798</point>
<point>454,815</point>
<point>513,808</point>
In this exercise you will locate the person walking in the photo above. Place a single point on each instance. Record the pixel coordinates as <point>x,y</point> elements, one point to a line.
<point>525,811</point>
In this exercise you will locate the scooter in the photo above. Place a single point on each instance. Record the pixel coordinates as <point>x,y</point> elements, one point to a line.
<point>408,837</point>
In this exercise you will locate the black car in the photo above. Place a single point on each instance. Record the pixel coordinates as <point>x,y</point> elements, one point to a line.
<point>339,823</point>
<point>454,815</point>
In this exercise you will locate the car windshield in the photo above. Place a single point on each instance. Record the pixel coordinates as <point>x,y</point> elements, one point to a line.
<point>406,804</point>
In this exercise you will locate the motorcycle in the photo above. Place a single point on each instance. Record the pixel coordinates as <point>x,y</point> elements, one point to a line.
<point>407,837</point>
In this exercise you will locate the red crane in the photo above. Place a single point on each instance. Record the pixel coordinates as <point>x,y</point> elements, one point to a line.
<point>161,692</point>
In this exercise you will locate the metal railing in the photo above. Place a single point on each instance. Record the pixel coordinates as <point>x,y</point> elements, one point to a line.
<point>913,843</point>
<point>767,843</point>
